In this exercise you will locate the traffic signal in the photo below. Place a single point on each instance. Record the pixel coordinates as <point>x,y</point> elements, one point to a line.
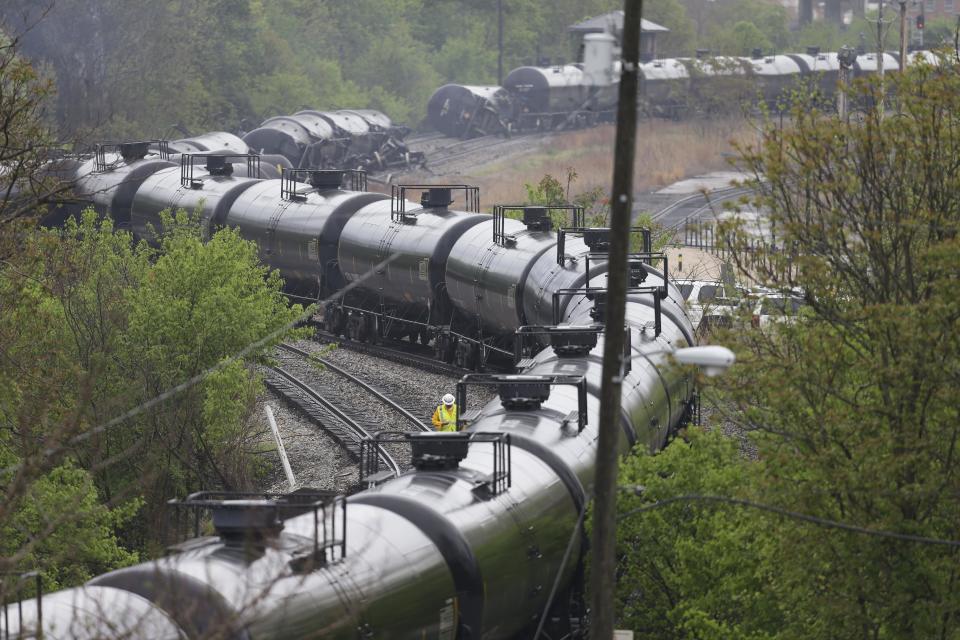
<point>920,21</point>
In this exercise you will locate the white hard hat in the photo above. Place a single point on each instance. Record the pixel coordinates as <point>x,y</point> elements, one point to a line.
<point>449,399</point>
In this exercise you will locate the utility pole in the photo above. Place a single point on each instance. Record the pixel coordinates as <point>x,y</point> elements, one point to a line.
<point>903,35</point>
<point>880,47</point>
<point>880,39</point>
<point>499,41</point>
<point>603,573</point>
<point>847,57</point>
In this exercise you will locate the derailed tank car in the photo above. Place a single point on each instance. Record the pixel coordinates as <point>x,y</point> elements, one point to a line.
<point>465,111</point>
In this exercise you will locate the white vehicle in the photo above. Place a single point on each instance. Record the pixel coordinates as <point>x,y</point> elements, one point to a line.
<point>770,308</point>
<point>707,304</point>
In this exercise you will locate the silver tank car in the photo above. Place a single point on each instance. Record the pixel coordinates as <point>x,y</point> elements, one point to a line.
<point>212,142</point>
<point>821,73</point>
<point>508,285</point>
<point>90,613</point>
<point>558,89</point>
<point>664,87</point>
<point>775,77</point>
<point>299,237</point>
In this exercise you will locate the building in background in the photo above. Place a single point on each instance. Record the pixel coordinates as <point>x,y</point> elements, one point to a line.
<point>612,23</point>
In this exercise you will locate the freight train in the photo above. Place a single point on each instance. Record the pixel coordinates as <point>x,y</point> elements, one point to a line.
<point>483,538</point>
<point>546,98</point>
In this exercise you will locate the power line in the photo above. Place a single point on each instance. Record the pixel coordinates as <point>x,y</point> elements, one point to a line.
<point>823,522</point>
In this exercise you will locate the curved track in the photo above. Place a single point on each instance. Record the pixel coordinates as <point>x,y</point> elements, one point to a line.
<point>359,382</point>
<point>342,427</point>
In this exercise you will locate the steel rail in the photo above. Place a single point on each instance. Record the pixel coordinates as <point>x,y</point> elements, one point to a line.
<point>362,383</point>
<point>354,430</point>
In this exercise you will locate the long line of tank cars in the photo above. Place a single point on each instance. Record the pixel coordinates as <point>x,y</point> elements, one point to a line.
<point>544,98</point>
<point>472,542</point>
<point>363,139</point>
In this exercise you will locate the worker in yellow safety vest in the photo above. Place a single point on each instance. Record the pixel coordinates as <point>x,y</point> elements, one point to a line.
<point>445,417</point>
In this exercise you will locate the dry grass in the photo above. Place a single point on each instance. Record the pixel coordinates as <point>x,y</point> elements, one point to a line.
<point>666,152</point>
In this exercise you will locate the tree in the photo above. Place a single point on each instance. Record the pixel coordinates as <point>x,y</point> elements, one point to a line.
<point>26,140</point>
<point>681,40</point>
<point>687,571</point>
<point>740,39</point>
<point>95,327</point>
<point>852,407</point>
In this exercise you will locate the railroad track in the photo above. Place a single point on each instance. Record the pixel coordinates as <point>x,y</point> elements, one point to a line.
<point>347,417</point>
<point>382,397</point>
<point>709,200</point>
<point>345,429</point>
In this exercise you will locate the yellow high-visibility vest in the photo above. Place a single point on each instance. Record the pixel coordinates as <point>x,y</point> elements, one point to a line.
<point>445,418</point>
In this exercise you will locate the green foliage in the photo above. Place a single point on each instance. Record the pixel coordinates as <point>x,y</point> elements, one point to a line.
<point>215,64</point>
<point>688,570</point>
<point>25,94</point>
<point>741,38</point>
<point>681,41</point>
<point>93,326</point>
<point>63,530</point>
<point>728,28</point>
<point>548,191</point>
<point>939,32</point>
<point>852,408</point>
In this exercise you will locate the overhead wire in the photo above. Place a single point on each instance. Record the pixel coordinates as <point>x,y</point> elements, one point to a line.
<point>795,515</point>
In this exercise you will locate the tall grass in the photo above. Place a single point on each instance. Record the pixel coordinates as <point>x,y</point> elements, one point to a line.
<point>666,152</point>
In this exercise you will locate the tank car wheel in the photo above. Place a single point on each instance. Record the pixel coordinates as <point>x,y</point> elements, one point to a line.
<point>337,322</point>
<point>424,336</point>
<point>370,330</point>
